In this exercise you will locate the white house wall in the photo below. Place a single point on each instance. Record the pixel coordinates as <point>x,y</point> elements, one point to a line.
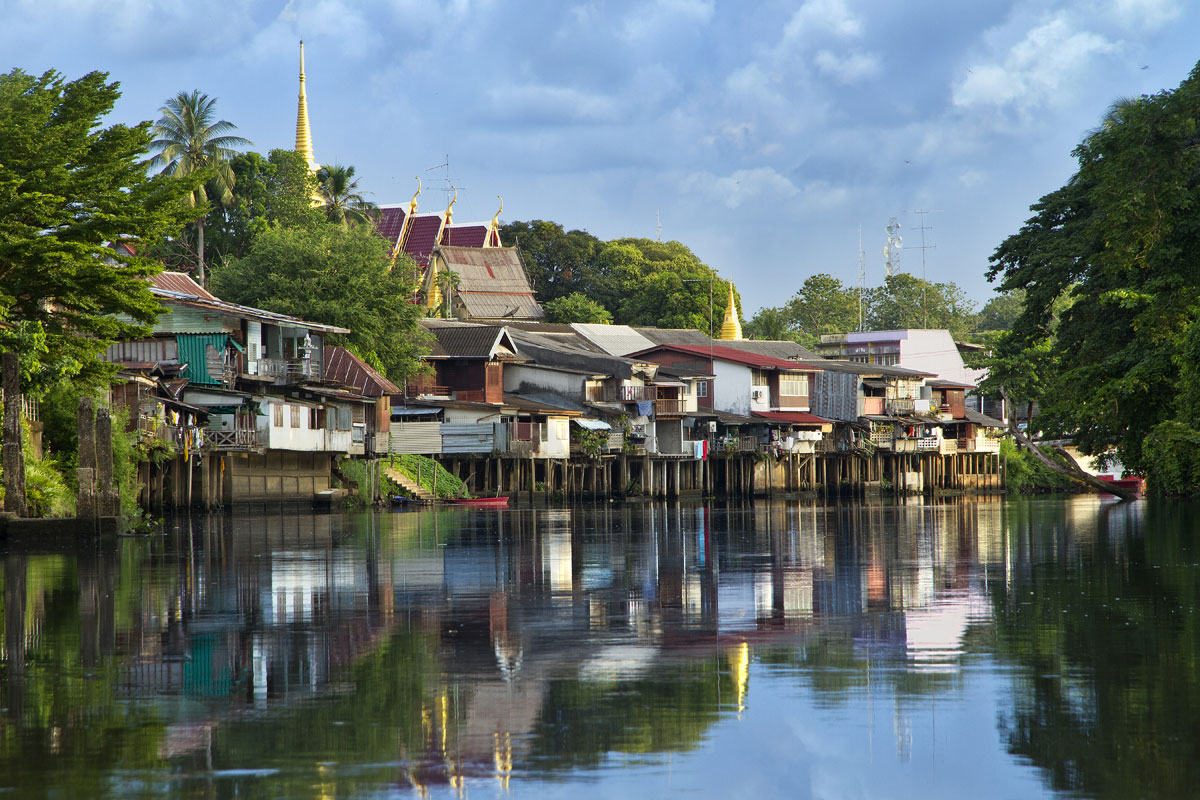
<point>731,390</point>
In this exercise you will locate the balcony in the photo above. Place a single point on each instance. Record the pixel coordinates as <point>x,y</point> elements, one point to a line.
<point>631,393</point>
<point>668,406</point>
<point>290,370</point>
<point>900,406</point>
<point>426,390</point>
<point>980,444</point>
<point>240,439</point>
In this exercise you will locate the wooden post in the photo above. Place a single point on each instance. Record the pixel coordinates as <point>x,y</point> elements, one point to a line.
<point>107,495</point>
<point>13,457</point>
<point>86,422</point>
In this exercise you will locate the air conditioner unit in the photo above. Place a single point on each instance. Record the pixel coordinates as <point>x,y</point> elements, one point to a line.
<point>757,394</point>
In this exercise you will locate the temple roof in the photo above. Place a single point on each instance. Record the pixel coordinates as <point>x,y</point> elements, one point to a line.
<point>492,283</point>
<point>469,234</point>
<point>423,237</point>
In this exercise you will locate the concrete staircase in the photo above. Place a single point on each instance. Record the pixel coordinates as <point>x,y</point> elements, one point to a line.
<point>408,483</point>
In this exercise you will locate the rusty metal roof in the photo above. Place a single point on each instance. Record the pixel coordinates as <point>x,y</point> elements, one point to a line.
<point>342,366</point>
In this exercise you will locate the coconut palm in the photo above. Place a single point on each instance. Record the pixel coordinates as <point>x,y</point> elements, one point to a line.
<point>188,138</point>
<point>343,203</point>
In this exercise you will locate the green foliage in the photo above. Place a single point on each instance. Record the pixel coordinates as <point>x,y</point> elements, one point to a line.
<point>576,307</point>
<point>1172,459</point>
<point>412,465</point>
<point>47,493</point>
<point>1024,474</point>
<point>69,188</point>
<point>336,275</point>
<point>1110,270</point>
<point>592,443</point>
<point>637,281</point>
<point>126,457</point>
<point>771,323</point>
<point>274,191</point>
<point>344,203</point>
<point>999,313</point>
<point>906,301</point>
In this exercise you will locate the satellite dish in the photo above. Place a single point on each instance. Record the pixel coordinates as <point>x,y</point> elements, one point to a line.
<point>886,253</point>
<point>899,242</point>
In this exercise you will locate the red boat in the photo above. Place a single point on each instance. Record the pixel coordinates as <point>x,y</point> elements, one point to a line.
<point>481,502</point>
<point>1132,482</point>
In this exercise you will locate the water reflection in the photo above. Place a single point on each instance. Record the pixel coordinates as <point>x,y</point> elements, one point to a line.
<point>329,655</point>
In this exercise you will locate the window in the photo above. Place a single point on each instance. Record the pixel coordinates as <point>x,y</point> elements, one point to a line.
<point>295,416</point>
<point>793,385</point>
<point>702,389</point>
<point>687,389</point>
<point>277,415</point>
<point>562,429</point>
<point>544,433</point>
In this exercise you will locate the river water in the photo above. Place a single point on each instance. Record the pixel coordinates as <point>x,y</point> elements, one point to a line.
<point>1007,649</point>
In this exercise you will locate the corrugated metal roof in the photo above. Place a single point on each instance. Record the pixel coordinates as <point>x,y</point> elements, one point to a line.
<point>242,312</point>
<point>342,366</point>
<point>423,237</point>
<point>794,417</point>
<point>736,356</point>
<point>617,340</point>
<point>492,283</point>
<point>770,347</point>
<point>181,283</point>
<point>468,234</point>
<point>467,341</point>
<point>390,222</point>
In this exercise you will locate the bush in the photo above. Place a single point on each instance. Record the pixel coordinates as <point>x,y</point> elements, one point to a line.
<point>1024,474</point>
<point>448,486</point>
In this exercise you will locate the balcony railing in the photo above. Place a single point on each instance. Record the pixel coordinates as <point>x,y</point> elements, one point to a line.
<point>630,393</point>
<point>240,439</point>
<point>426,390</point>
<point>668,406</point>
<point>898,405</point>
<point>290,370</point>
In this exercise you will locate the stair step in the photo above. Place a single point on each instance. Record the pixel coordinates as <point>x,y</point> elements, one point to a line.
<point>408,483</point>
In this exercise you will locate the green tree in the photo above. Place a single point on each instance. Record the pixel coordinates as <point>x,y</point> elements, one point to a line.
<point>823,305</point>
<point>275,190</point>
<point>189,139</point>
<point>343,202</point>
<point>999,313</point>
<point>1118,242</point>
<point>559,262</point>
<point>337,275</point>
<point>906,301</point>
<point>576,307</point>
<point>771,323</point>
<point>69,191</point>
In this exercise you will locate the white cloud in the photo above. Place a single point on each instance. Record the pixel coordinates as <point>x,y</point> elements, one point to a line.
<point>665,15</point>
<point>1036,70</point>
<point>735,189</point>
<point>817,17</point>
<point>1146,15</point>
<point>551,104</point>
<point>847,69</point>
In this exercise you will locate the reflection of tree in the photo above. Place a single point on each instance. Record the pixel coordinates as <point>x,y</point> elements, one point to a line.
<point>1105,700</point>
<point>583,721</point>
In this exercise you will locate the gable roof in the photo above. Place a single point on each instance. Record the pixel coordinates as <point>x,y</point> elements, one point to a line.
<point>732,355</point>
<point>187,292</point>
<point>423,235</point>
<point>342,366</point>
<point>492,283</point>
<point>617,340</point>
<point>766,347</point>
<point>390,222</point>
<point>470,341</point>
<point>466,234</point>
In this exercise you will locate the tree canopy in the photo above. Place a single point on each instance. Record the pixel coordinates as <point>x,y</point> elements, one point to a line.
<point>1111,278</point>
<point>576,307</point>
<point>76,208</point>
<point>337,275</point>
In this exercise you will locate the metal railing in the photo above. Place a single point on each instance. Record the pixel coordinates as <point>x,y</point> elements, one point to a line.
<point>290,369</point>
<point>631,393</point>
<point>897,405</point>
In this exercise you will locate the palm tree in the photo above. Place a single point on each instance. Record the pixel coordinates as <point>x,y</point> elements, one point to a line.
<point>188,140</point>
<point>338,190</point>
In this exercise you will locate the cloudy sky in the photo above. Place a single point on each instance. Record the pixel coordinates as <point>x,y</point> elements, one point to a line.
<point>762,134</point>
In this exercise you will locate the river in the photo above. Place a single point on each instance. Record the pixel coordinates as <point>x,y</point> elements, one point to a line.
<point>987,649</point>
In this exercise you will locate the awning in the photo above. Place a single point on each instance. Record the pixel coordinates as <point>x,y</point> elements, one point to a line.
<point>667,383</point>
<point>593,424</point>
<point>404,411</point>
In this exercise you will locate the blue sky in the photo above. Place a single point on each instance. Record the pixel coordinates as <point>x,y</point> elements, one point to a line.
<point>761,133</point>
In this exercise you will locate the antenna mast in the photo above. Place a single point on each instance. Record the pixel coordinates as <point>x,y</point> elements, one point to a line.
<point>922,227</point>
<point>658,224</point>
<point>891,250</point>
<point>862,278</point>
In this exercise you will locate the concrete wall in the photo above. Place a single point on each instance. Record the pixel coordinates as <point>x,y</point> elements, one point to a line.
<point>526,379</point>
<point>277,475</point>
<point>732,388</point>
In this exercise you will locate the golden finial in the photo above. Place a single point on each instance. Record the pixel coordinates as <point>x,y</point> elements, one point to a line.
<point>412,204</point>
<point>303,134</point>
<point>731,328</point>
<point>450,208</point>
<point>494,228</point>
<point>496,219</point>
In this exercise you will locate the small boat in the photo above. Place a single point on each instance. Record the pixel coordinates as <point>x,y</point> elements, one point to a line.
<point>481,502</point>
<point>1131,482</point>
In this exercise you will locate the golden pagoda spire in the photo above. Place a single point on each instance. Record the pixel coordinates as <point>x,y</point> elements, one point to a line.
<point>731,328</point>
<point>303,135</point>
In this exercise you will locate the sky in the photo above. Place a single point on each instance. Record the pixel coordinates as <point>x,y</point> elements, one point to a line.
<point>762,135</point>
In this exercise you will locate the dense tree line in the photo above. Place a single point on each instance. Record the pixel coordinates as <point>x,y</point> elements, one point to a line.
<point>1107,341</point>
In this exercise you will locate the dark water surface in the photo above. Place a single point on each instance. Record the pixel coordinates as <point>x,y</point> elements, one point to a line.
<point>975,649</point>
